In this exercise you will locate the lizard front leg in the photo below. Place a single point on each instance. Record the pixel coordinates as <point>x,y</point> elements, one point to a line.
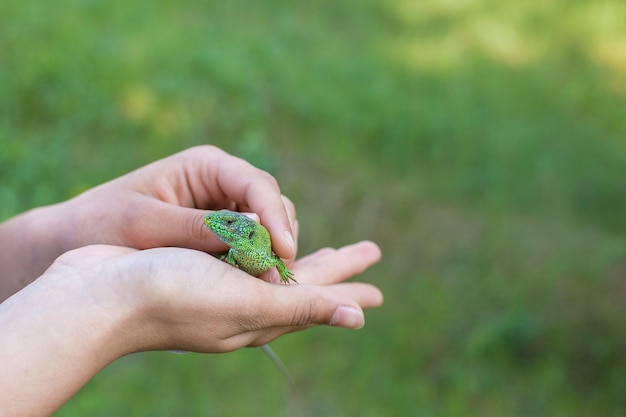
<point>230,258</point>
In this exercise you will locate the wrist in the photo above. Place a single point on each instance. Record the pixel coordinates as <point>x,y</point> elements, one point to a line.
<point>30,242</point>
<point>95,310</point>
<point>58,332</point>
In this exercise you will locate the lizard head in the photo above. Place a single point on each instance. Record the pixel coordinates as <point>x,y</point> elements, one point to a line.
<point>231,227</point>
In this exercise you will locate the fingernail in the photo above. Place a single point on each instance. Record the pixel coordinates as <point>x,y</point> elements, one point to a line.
<point>251,215</point>
<point>348,317</point>
<point>290,242</point>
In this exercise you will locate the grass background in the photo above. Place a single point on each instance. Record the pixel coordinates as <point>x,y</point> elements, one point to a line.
<point>481,143</point>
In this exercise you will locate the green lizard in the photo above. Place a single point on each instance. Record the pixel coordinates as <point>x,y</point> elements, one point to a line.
<point>251,251</point>
<point>250,244</point>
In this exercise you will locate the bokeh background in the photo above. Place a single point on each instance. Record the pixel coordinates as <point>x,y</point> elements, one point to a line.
<point>481,143</point>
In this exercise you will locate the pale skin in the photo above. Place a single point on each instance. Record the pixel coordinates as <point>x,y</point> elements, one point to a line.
<point>120,285</point>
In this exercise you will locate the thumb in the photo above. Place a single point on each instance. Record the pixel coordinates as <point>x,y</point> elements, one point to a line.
<point>304,305</point>
<point>167,225</point>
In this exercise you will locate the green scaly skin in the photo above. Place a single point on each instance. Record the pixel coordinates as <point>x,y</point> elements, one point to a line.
<point>250,244</point>
<point>251,251</point>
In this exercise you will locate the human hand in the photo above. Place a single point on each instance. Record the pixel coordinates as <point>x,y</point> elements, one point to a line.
<point>98,303</point>
<point>159,205</point>
<point>163,203</point>
<point>186,299</point>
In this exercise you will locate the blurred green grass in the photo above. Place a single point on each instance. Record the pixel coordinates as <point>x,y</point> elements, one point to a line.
<point>482,144</point>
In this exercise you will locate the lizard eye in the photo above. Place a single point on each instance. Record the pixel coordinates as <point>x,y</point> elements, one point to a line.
<point>251,235</point>
<point>229,221</point>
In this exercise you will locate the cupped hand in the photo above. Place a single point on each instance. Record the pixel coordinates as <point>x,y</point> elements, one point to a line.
<point>162,204</point>
<point>98,303</point>
<point>188,300</point>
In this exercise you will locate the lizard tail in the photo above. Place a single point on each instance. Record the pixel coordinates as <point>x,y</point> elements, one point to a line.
<point>280,365</point>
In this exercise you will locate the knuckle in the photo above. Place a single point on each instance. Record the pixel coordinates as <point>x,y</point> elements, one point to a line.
<point>266,177</point>
<point>198,231</point>
<point>209,149</point>
<point>306,314</point>
<point>289,206</point>
<point>251,323</point>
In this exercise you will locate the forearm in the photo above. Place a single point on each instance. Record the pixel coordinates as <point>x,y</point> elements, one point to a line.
<point>55,335</point>
<point>29,243</point>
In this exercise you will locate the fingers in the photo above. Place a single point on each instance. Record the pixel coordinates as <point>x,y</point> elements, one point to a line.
<point>366,295</point>
<point>338,305</point>
<point>206,177</point>
<point>290,208</point>
<point>329,266</point>
<point>196,302</point>
<point>160,224</point>
<point>160,204</point>
<point>298,308</point>
<point>257,191</point>
<point>318,306</point>
<point>152,223</point>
